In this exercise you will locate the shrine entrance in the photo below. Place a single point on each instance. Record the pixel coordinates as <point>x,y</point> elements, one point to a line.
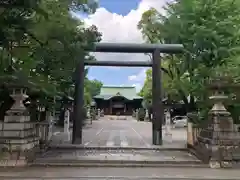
<point>157,105</point>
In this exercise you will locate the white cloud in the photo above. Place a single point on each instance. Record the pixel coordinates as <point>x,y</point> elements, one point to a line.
<point>122,29</point>
<point>138,87</point>
<point>138,77</point>
<point>91,78</point>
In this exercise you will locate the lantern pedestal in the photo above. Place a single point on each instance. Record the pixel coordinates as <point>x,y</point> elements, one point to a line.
<point>18,134</point>
<point>220,136</point>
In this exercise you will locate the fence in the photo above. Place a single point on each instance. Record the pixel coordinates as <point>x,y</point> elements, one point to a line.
<point>192,133</point>
<point>44,132</point>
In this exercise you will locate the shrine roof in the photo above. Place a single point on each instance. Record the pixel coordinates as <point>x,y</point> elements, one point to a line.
<point>107,92</point>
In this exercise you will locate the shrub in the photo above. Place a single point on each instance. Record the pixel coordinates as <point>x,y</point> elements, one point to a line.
<point>141,114</point>
<point>93,113</point>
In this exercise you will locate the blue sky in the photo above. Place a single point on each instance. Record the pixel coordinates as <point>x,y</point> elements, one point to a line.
<point>119,75</point>
<point>122,7</point>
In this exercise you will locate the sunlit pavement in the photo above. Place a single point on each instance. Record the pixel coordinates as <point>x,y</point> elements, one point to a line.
<point>118,133</point>
<point>123,133</point>
<point>120,143</point>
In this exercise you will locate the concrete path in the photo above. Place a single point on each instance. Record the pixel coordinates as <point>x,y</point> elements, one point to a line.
<point>119,143</point>
<point>123,133</point>
<point>76,173</point>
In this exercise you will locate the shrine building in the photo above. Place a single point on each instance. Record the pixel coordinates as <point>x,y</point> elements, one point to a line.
<point>118,100</point>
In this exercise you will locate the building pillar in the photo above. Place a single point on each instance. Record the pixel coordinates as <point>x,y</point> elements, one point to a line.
<point>78,111</point>
<point>158,111</point>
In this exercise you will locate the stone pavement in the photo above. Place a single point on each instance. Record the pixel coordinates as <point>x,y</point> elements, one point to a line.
<point>116,158</point>
<point>114,143</point>
<point>122,133</point>
<point>75,173</point>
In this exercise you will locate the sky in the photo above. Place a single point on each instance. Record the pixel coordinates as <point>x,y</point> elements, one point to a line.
<point>117,21</point>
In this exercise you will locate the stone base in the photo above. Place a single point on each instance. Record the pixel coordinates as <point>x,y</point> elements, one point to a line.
<point>16,125</point>
<point>13,163</point>
<point>18,133</point>
<point>16,118</point>
<point>18,158</point>
<point>20,144</point>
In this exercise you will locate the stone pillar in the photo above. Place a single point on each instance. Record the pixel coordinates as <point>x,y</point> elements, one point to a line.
<point>88,113</point>
<point>19,134</point>
<point>168,126</point>
<point>99,113</point>
<point>146,115</point>
<point>137,114</point>
<point>49,117</point>
<point>67,124</point>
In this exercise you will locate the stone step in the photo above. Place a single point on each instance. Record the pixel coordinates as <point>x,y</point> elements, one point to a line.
<point>117,158</point>
<point>134,148</point>
<point>118,164</point>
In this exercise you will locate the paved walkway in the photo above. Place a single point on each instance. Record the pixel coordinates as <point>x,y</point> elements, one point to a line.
<point>77,173</point>
<point>116,142</point>
<point>123,133</point>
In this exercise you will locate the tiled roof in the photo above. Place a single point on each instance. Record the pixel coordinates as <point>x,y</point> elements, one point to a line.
<point>107,92</point>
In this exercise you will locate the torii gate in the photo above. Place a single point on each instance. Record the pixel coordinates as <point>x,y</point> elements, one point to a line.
<point>157,105</point>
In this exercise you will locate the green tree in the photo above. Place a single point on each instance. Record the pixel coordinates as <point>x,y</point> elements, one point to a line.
<point>209,31</point>
<point>146,91</point>
<point>41,43</point>
<point>93,87</point>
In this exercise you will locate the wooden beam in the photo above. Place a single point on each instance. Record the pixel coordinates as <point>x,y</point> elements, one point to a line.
<point>137,48</point>
<point>119,63</point>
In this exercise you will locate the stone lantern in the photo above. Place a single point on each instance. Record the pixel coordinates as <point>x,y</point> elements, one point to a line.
<point>18,112</point>
<point>220,136</point>
<point>17,130</point>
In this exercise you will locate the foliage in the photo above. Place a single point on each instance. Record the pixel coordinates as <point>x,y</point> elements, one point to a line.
<point>146,91</point>
<point>93,87</point>
<point>209,31</point>
<point>41,44</point>
<point>141,114</point>
<point>93,113</point>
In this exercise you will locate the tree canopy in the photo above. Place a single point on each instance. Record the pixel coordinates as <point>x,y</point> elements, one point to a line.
<point>209,31</point>
<point>41,43</point>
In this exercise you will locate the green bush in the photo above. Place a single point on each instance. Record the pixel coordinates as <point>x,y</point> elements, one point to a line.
<point>93,113</point>
<point>141,114</point>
